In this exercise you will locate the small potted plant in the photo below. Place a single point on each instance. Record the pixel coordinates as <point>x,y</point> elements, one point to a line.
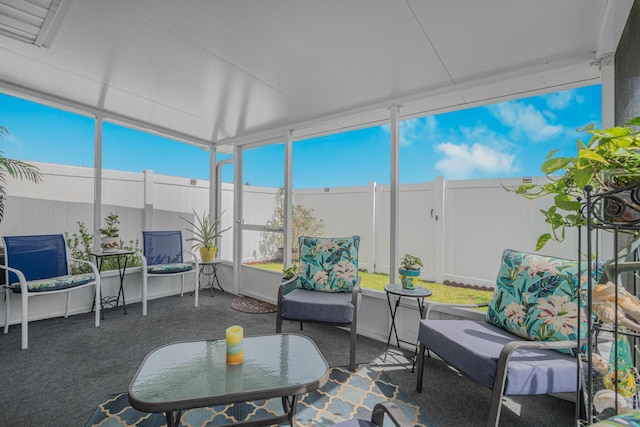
<point>205,232</point>
<point>289,272</point>
<point>409,270</point>
<point>109,239</point>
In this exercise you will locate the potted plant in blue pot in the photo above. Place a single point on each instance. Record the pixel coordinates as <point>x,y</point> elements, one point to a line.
<point>409,270</point>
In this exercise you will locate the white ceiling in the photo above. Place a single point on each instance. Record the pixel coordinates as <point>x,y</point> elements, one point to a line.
<point>245,71</point>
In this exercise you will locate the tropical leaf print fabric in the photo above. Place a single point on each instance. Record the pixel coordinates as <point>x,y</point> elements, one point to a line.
<point>328,264</point>
<point>536,297</point>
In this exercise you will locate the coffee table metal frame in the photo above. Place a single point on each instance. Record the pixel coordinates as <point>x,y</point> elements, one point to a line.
<point>280,365</point>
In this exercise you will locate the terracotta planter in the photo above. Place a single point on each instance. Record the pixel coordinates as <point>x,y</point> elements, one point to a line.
<point>208,254</point>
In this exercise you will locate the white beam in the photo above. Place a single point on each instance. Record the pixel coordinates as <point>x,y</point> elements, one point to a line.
<point>97,182</point>
<point>394,216</point>
<point>288,152</point>
<point>237,218</point>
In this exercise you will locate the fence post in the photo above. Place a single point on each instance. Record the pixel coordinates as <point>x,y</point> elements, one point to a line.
<point>439,217</point>
<point>147,218</point>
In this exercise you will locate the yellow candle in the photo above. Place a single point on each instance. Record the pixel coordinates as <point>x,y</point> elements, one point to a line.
<point>234,345</point>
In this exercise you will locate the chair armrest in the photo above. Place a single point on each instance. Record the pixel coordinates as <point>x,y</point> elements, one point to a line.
<point>286,287</point>
<point>21,278</point>
<point>194,258</point>
<point>392,411</point>
<point>433,304</point>
<point>354,293</point>
<point>94,268</point>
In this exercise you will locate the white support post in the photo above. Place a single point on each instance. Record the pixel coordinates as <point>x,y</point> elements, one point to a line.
<point>394,189</point>
<point>97,182</point>
<point>214,210</point>
<point>288,152</point>
<point>237,219</point>
<point>607,78</point>
<point>372,225</point>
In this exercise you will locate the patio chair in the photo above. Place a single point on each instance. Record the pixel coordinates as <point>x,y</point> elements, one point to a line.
<point>37,266</point>
<point>326,289</point>
<point>162,256</point>
<point>392,411</point>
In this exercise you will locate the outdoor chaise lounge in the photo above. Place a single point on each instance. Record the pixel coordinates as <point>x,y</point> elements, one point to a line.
<point>526,344</point>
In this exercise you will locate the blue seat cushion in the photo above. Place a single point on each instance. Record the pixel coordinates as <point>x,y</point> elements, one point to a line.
<point>473,347</point>
<point>54,283</point>
<point>178,267</point>
<point>329,307</point>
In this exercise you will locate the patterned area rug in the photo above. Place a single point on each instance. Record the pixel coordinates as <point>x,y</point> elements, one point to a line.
<point>252,305</point>
<point>345,396</point>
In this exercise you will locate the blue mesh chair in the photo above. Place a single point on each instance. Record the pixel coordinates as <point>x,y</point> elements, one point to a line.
<point>39,265</point>
<point>327,287</point>
<point>163,256</point>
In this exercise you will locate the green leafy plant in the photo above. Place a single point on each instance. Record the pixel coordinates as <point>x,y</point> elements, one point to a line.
<point>204,229</point>
<point>303,223</point>
<point>80,246</point>
<point>110,230</point>
<point>16,169</point>
<point>615,149</point>
<point>289,272</point>
<point>410,262</point>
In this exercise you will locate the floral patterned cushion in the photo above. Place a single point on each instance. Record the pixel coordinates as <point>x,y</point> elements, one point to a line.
<point>536,298</point>
<point>54,283</point>
<point>328,264</point>
<point>169,268</point>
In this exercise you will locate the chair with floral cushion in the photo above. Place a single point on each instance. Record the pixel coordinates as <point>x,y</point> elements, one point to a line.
<point>527,343</point>
<point>40,265</point>
<point>163,256</point>
<point>326,289</point>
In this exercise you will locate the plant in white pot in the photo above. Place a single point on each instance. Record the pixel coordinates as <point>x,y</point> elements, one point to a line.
<point>205,230</point>
<point>409,270</point>
<point>109,239</point>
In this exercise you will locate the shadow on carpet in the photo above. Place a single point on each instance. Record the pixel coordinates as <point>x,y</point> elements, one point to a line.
<point>345,396</point>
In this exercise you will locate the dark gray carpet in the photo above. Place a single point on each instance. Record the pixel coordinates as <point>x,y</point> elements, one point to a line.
<point>70,365</point>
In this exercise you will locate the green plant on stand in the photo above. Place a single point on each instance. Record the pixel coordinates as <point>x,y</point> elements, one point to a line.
<point>609,160</point>
<point>109,239</point>
<point>205,231</point>
<point>289,272</point>
<point>409,270</point>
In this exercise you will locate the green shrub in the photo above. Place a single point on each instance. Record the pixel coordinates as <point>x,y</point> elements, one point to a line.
<point>80,245</point>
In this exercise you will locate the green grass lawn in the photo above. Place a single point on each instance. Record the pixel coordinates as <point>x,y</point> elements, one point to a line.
<point>441,293</point>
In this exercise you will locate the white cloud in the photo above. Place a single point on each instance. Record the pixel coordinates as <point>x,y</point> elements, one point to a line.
<point>465,161</point>
<point>559,100</point>
<point>525,118</point>
<point>415,130</point>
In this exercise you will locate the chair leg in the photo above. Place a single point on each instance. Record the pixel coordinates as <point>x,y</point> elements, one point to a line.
<point>197,287</point>
<point>7,304</point>
<point>278,322</point>
<point>181,285</point>
<point>352,347</point>
<point>144,294</point>
<point>66,307</point>
<point>25,320</point>
<point>420,357</point>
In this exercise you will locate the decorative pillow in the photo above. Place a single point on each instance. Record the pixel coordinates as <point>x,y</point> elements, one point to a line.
<point>54,283</point>
<point>169,268</point>
<point>536,297</point>
<point>328,264</point>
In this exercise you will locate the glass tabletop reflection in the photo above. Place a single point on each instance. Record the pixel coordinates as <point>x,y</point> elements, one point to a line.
<point>196,371</point>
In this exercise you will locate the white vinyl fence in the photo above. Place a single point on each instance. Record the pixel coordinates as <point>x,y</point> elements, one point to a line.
<point>458,228</point>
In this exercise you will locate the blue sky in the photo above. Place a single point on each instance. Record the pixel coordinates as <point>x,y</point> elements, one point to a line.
<point>509,139</point>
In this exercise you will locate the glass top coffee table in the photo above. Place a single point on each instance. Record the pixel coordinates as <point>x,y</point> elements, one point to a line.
<point>195,374</point>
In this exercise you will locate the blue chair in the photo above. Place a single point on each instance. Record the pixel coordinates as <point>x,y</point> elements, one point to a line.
<point>327,287</point>
<point>162,256</point>
<point>39,265</point>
